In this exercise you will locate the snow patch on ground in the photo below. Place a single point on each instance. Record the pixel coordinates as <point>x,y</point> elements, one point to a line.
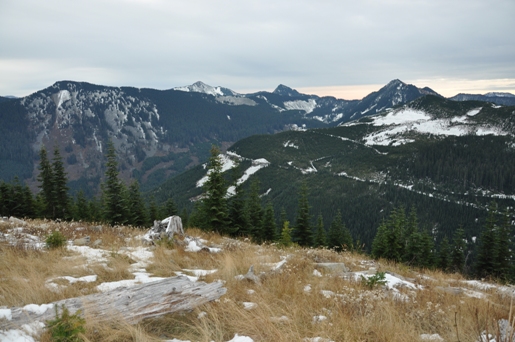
<point>474,111</point>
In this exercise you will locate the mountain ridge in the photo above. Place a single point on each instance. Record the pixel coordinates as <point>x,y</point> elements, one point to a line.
<point>161,133</point>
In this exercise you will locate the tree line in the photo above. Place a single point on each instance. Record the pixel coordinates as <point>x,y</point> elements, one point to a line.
<point>398,238</point>
<point>490,255</point>
<point>117,203</point>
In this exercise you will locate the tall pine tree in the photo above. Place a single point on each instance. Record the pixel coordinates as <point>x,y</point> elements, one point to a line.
<point>115,206</point>
<point>302,233</point>
<point>214,202</point>
<point>46,184</point>
<point>60,188</point>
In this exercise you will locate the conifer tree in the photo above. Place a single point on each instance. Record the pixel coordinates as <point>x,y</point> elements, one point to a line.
<point>414,251</point>
<point>214,202</point>
<point>285,240</point>
<point>60,188</point>
<point>81,207</point>
<point>428,247</point>
<point>458,250</point>
<point>269,227</point>
<point>339,236</point>
<point>380,243</point>
<point>46,184</point>
<point>283,218</point>
<point>302,233</point>
<point>504,257</point>
<point>396,227</point>
<point>237,212</point>
<point>115,207</point>
<point>185,218</point>
<point>153,210</point>
<point>255,211</point>
<point>320,238</point>
<point>170,208</point>
<point>137,211</point>
<point>488,250</point>
<point>444,255</point>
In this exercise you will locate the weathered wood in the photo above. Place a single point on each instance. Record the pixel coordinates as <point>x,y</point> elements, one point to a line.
<point>166,228</point>
<point>132,304</point>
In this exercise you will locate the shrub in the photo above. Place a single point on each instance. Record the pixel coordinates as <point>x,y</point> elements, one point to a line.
<point>55,240</point>
<point>377,279</point>
<point>66,328</point>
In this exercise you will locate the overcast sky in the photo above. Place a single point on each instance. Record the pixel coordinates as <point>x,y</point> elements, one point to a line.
<point>344,48</point>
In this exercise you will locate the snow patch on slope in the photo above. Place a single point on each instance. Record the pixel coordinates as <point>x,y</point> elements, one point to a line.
<point>227,164</point>
<point>307,106</point>
<point>407,119</point>
<point>61,97</point>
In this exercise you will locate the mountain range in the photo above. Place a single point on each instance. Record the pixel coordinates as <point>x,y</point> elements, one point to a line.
<point>447,159</point>
<point>162,133</point>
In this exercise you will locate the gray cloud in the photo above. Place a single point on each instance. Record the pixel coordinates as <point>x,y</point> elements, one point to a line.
<point>252,44</point>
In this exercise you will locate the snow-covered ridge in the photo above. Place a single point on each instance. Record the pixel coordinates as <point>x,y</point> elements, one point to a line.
<point>307,106</point>
<point>200,87</point>
<point>499,94</point>
<point>404,120</point>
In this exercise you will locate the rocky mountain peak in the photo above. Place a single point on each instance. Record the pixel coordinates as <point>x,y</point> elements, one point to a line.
<point>286,91</point>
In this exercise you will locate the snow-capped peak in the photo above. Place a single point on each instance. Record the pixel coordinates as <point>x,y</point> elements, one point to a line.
<point>201,87</point>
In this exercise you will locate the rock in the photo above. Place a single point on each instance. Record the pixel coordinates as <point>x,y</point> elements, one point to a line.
<point>372,270</point>
<point>15,220</point>
<point>338,267</point>
<point>97,243</point>
<point>82,241</point>
<point>96,229</point>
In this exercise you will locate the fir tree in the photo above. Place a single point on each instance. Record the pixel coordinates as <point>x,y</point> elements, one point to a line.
<point>380,244</point>
<point>137,211</point>
<point>254,211</point>
<point>504,257</point>
<point>59,188</point>
<point>320,239</point>
<point>81,207</point>
<point>269,227</point>
<point>396,228</point>
<point>285,239</point>
<point>444,255</point>
<point>237,212</point>
<point>488,251</point>
<point>458,250</point>
<point>302,233</point>
<point>214,202</point>
<point>153,210</point>
<point>46,184</point>
<point>115,208</point>
<point>427,250</point>
<point>185,218</point>
<point>171,208</point>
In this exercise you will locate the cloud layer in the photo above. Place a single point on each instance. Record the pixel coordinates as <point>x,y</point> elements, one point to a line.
<point>255,45</point>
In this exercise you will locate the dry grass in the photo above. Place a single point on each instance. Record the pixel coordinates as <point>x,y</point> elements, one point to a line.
<point>284,311</point>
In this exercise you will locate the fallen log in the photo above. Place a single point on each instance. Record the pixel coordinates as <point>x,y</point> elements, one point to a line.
<point>132,304</point>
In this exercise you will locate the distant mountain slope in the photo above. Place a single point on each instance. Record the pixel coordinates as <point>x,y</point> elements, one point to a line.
<point>503,99</point>
<point>449,159</point>
<point>161,133</point>
<point>156,133</point>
